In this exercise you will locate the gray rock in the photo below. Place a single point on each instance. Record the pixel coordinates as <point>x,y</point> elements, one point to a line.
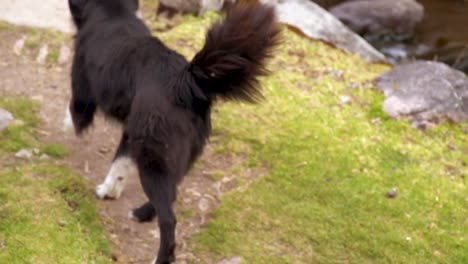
<point>376,17</point>
<point>19,45</point>
<point>6,118</point>
<point>42,55</point>
<point>45,14</point>
<point>193,6</point>
<point>65,54</point>
<point>25,154</point>
<point>425,92</point>
<point>316,23</point>
<point>235,260</point>
<point>204,205</point>
<point>393,193</point>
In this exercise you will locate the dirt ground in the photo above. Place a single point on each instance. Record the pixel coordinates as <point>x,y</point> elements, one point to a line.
<point>91,155</point>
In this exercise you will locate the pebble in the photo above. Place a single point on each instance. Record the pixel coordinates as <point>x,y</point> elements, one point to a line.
<point>345,99</point>
<point>43,52</point>
<point>64,54</point>
<point>44,157</point>
<point>6,118</point>
<point>39,98</point>
<point>392,193</point>
<point>204,204</point>
<point>155,233</point>
<point>19,44</point>
<point>25,154</point>
<point>234,260</point>
<point>104,150</point>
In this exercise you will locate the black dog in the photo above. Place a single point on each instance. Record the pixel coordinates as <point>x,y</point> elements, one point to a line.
<point>163,101</point>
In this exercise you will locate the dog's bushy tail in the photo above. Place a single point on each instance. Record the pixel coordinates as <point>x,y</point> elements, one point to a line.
<point>235,53</point>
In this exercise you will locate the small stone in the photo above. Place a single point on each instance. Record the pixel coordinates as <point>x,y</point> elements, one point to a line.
<point>64,54</point>
<point>193,192</point>
<point>204,204</point>
<point>62,223</point>
<point>345,99</point>
<point>155,233</point>
<point>19,44</point>
<point>25,154</point>
<point>19,123</point>
<point>126,229</point>
<point>44,157</point>
<point>392,193</point>
<point>6,118</point>
<point>336,74</point>
<point>376,121</point>
<point>43,52</point>
<point>39,98</point>
<point>235,260</point>
<point>104,150</point>
<point>86,167</point>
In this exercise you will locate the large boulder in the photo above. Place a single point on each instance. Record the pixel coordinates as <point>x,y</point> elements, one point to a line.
<point>377,17</point>
<point>6,118</point>
<point>45,13</point>
<point>316,23</point>
<point>197,7</point>
<point>425,92</point>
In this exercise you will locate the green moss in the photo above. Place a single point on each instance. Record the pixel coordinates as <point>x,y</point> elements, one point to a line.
<point>19,135</point>
<point>47,213</point>
<point>48,216</point>
<point>56,151</point>
<point>53,56</point>
<point>4,26</point>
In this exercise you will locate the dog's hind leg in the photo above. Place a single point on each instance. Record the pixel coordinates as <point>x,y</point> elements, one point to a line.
<point>144,213</point>
<point>122,167</point>
<point>160,187</point>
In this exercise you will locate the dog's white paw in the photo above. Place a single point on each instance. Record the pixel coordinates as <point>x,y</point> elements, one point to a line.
<point>132,216</point>
<point>110,191</point>
<point>139,14</point>
<point>101,191</point>
<point>115,181</point>
<point>104,191</point>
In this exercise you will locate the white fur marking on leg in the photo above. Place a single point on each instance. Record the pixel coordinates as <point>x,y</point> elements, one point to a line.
<point>115,180</point>
<point>132,216</point>
<point>68,122</point>
<point>138,14</point>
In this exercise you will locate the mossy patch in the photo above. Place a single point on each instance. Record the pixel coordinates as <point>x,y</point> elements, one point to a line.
<point>331,165</point>
<point>47,213</point>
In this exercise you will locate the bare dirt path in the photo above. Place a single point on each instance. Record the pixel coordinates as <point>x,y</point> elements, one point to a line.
<point>90,156</point>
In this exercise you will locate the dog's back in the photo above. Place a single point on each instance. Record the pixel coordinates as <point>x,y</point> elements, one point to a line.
<point>119,56</point>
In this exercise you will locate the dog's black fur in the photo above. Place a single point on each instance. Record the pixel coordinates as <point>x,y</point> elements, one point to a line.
<point>163,101</point>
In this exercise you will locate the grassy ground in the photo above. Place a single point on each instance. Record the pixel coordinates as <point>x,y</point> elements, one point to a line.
<point>330,167</point>
<point>47,213</point>
<point>323,200</point>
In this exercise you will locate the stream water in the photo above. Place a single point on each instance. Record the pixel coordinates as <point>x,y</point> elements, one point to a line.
<point>442,35</point>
